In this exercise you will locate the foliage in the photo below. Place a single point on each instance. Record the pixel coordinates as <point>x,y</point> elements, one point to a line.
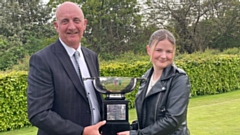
<point>13,52</point>
<point>10,51</point>
<point>126,57</point>
<point>37,31</point>
<point>197,24</point>
<point>19,16</point>
<point>116,27</point>
<point>13,101</point>
<point>34,44</point>
<point>31,47</point>
<point>22,65</point>
<point>118,23</point>
<point>22,21</point>
<point>212,74</point>
<point>233,50</point>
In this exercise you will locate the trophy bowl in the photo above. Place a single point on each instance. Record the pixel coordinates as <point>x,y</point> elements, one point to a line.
<point>114,85</point>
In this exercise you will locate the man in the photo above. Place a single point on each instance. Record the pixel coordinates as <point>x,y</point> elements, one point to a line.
<point>59,101</point>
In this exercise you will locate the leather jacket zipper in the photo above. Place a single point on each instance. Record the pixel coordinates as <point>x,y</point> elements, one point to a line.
<point>157,107</point>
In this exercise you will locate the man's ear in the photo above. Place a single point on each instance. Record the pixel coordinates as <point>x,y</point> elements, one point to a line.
<point>55,25</point>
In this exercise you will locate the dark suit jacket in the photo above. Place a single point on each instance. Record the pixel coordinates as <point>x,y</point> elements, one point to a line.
<point>57,102</point>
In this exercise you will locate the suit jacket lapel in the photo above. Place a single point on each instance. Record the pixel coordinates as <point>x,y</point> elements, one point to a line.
<point>66,62</point>
<point>93,71</point>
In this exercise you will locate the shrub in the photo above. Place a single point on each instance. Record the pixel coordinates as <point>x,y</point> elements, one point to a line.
<point>234,50</point>
<point>13,112</point>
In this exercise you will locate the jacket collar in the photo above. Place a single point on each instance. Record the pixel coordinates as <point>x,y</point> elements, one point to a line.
<point>167,73</point>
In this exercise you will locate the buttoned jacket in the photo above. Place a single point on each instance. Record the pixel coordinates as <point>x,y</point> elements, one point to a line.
<point>57,101</point>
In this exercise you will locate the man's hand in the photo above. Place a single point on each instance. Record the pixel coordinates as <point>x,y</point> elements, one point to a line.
<point>124,133</point>
<point>94,129</point>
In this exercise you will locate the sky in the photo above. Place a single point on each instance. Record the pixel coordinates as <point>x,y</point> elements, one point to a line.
<point>45,1</point>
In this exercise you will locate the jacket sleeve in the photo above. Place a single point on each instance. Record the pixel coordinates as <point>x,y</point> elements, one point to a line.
<point>40,97</point>
<point>176,108</point>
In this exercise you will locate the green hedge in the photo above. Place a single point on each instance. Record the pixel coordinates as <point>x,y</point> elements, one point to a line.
<point>212,74</point>
<point>208,75</point>
<point>13,105</point>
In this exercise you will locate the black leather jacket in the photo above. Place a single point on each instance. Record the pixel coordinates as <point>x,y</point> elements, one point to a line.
<point>164,110</point>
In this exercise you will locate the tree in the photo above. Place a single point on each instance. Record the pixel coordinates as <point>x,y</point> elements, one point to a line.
<point>197,23</point>
<point>19,15</point>
<point>20,20</point>
<point>113,25</point>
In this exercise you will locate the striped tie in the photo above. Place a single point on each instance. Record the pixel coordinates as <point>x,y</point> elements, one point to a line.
<point>76,57</point>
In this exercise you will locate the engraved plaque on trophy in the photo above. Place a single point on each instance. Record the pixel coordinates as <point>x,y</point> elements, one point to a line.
<point>115,106</point>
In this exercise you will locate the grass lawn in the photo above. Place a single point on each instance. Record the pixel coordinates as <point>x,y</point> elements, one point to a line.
<point>215,115</point>
<point>207,115</point>
<point>22,131</point>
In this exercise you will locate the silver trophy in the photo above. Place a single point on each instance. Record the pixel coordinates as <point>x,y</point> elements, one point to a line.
<point>115,106</point>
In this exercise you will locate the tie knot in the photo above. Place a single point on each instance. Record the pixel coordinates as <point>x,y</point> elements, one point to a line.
<point>76,54</point>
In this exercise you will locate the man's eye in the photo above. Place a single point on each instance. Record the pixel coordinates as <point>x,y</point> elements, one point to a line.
<point>77,20</point>
<point>65,21</point>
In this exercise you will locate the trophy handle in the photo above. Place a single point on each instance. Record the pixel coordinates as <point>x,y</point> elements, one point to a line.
<point>97,84</point>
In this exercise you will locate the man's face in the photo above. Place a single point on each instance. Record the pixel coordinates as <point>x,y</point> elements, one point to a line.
<point>70,24</point>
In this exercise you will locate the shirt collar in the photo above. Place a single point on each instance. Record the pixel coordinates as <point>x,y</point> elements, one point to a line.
<point>71,50</point>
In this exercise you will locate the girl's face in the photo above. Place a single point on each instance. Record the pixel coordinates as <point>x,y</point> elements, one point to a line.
<point>162,54</point>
